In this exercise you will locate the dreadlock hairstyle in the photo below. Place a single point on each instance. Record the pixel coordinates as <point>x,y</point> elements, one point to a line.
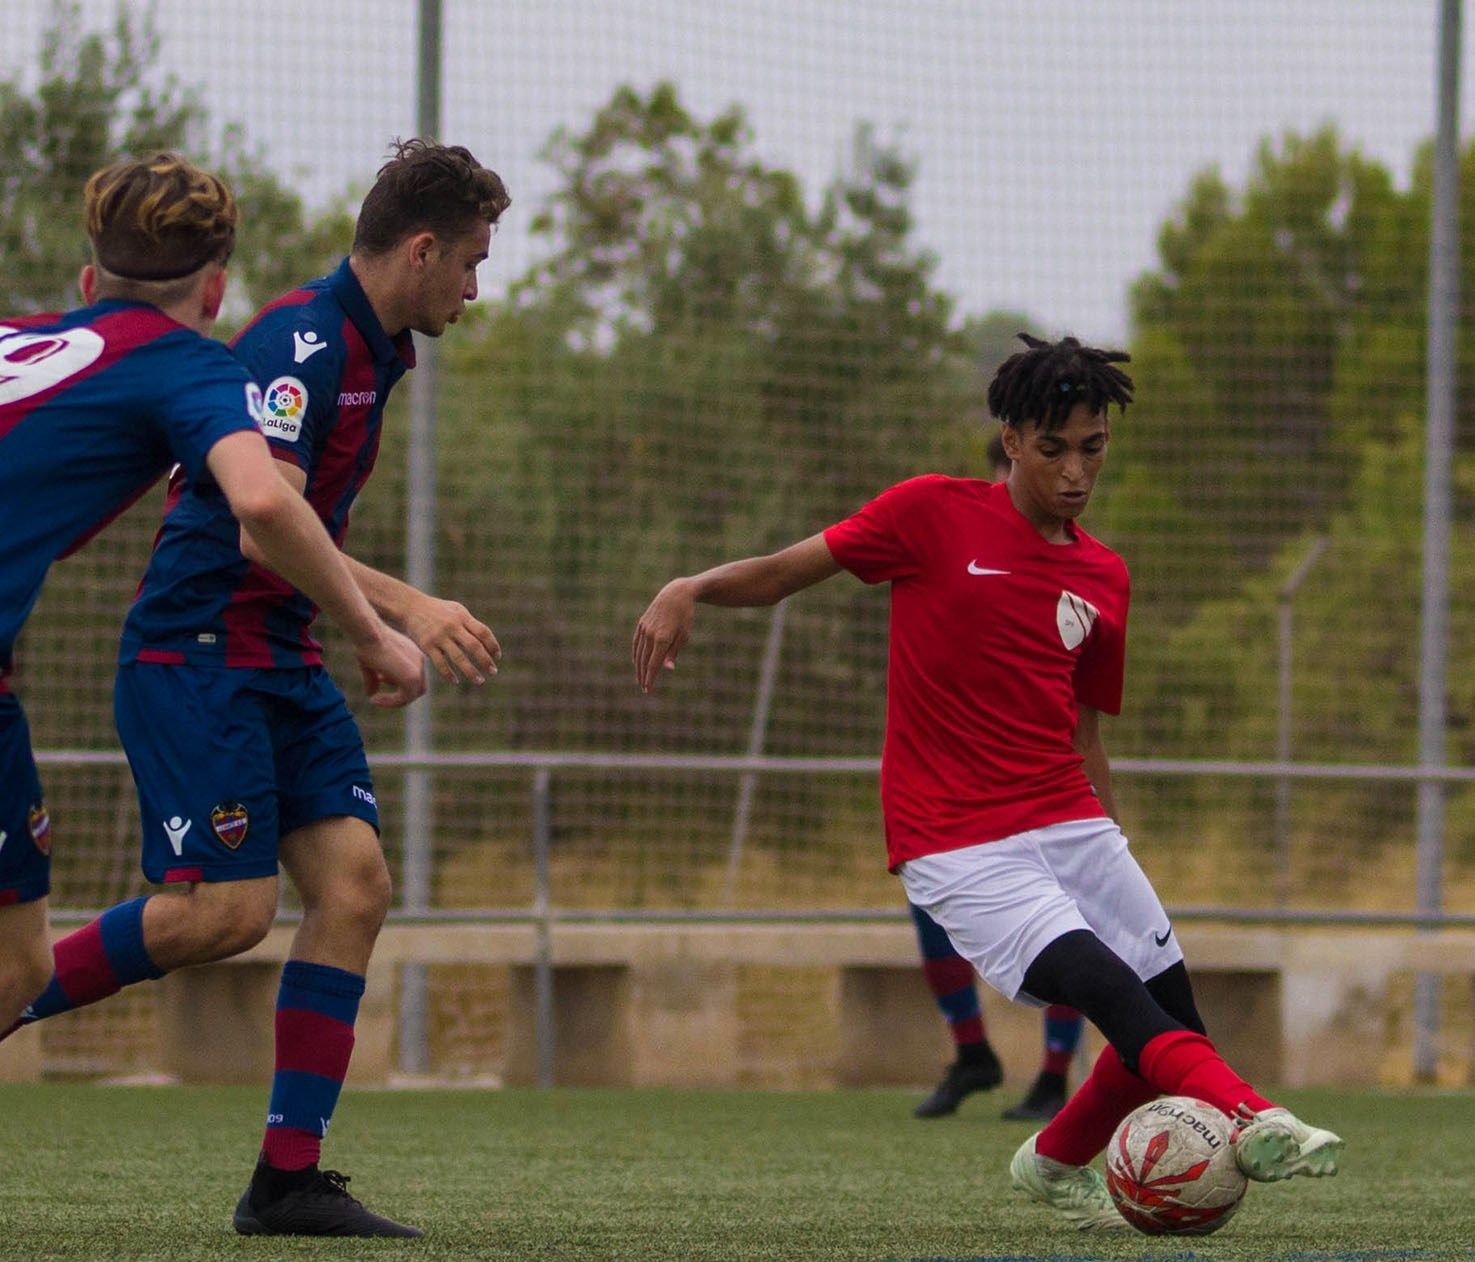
<point>1042,384</point>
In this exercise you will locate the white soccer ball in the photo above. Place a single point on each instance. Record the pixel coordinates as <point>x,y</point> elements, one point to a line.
<point>1170,1168</point>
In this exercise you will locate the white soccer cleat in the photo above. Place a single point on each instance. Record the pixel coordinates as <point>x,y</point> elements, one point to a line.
<point>1275,1144</point>
<point>1078,1193</point>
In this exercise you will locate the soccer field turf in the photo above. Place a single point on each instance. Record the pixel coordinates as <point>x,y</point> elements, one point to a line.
<point>122,1173</point>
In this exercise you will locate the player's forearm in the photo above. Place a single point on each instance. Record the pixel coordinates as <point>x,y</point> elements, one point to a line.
<point>753,581</point>
<point>1095,764</point>
<point>390,597</point>
<point>1100,778</point>
<point>1098,771</point>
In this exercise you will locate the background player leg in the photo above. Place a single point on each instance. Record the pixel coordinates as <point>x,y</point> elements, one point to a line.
<point>145,938</point>
<point>338,869</point>
<point>1062,1028</point>
<point>954,986</point>
<point>25,956</point>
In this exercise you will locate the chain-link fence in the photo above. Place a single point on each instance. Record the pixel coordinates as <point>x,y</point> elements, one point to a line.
<point>761,260</point>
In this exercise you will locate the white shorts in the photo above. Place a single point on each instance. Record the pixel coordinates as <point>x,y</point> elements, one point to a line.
<point>1004,902</point>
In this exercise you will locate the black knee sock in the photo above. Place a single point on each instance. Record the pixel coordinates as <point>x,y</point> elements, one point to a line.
<point>1174,994</point>
<point>1080,970</point>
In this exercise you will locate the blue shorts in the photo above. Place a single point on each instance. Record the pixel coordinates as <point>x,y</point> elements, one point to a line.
<point>25,827</point>
<point>228,760</point>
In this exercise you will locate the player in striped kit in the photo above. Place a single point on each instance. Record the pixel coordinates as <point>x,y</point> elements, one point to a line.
<point>976,1068</point>
<point>95,405</point>
<point>243,748</point>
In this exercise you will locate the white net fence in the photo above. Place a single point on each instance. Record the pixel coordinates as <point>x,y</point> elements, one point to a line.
<point>760,261</point>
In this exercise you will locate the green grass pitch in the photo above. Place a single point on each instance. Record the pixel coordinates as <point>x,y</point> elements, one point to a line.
<point>125,1173</point>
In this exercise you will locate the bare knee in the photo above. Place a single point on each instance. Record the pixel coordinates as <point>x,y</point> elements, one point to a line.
<point>25,972</point>
<point>362,897</point>
<point>339,870</point>
<point>212,921</point>
<point>26,964</point>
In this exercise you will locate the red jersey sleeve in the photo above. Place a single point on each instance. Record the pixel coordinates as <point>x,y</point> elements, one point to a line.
<point>880,543</point>
<point>1102,663</point>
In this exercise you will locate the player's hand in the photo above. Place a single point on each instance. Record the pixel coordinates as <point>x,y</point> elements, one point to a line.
<point>393,669</point>
<point>662,632</point>
<point>458,646</point>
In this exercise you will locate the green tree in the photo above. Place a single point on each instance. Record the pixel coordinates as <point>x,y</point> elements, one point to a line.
<point>1279,358</point>
<point>706,363</point>
<point>1242,331</point>
<point>99,96</point>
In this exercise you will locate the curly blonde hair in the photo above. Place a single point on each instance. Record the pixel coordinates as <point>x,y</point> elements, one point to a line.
<point>159,218</point>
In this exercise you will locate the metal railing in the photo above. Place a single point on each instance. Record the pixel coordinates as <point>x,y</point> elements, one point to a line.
<point>543,914</point>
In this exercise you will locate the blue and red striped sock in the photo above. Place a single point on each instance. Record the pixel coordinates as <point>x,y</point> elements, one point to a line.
<point>1063,1026</point>
<point>952,981</point>
<point>316,1008</point>
<point>96,961</point>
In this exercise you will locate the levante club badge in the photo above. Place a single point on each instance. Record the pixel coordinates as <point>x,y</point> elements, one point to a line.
<point>231,821</point>
<point>38,818</point>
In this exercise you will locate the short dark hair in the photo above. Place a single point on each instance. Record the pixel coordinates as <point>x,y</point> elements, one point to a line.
<point>427,187</point>
<point>158,218</point>
<point>1042,384</point>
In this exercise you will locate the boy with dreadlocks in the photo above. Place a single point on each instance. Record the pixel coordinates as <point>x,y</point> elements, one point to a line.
<point>1008,635</point>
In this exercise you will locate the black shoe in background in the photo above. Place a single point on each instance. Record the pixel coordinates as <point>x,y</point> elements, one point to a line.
<point>1046,1097</point>
<point>310,1202</point>
<point>980,1071</point>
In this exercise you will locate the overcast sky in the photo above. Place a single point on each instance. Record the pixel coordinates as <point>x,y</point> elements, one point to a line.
<point>1053,136</point>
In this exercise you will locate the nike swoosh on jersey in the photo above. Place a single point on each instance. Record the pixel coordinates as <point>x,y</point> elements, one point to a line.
<point>975,568</point>
<point>1163,941</point>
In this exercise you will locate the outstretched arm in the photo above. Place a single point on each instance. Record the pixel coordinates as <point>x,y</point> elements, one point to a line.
<point>665,626</point>
<point>1089,745</point>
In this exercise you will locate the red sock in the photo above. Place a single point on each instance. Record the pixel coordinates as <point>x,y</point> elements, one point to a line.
<point>1181,1062</point>
<point>1085,1125</point>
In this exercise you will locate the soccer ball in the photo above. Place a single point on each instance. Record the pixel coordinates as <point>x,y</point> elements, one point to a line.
<point>1170,1168</point>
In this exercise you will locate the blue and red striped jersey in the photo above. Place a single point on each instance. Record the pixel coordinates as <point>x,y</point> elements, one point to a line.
<point>95,405</point>
<point>325,366</point>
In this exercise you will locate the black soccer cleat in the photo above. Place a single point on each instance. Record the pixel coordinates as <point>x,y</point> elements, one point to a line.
<point>963,1078</point>
<point>321,1206</point>
<point>1045,1098</point>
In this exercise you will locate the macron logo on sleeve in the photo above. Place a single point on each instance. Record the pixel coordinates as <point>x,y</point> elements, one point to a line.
<point>306,345</point>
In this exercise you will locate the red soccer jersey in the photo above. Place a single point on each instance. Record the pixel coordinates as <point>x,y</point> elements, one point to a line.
<point>996,636</point>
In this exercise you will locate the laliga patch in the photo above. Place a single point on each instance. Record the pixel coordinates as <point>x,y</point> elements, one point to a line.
<point>1074,618</point>
<point>283,407</point>
<point>38,818</point>
<point>230,822</point>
